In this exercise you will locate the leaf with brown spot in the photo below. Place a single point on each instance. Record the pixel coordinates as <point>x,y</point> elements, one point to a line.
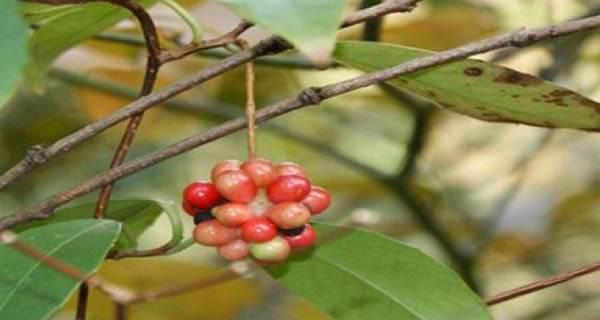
<point>478,89</point>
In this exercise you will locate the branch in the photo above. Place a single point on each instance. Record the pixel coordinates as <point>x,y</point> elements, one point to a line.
<point>543,284</point>
<point>39,155</point>
<point>309,96</point>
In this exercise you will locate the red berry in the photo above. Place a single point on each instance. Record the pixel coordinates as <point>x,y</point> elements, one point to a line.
<point>232,214</point>
<point>277,249</point>
<point>303,240</point>
<point>225,165</point>
<point>317,200</point>
<point>187,207</point>
<point>258,230</point>
<point>288,215</point>
<point>201,195</point>
<point>234,251</point>
<point>289,169</point>
<point>288,188</point>
<point>260,170</point>
<point>236,186</point>
<point>213,233</point>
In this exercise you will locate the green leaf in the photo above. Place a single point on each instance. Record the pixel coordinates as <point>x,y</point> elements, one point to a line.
<point>13,48</point>
<point>36,13</point>
<point>30,290</point>
<point>479,89</point>
<point>362,275</point>
<point>136,216</point>
<point>65,29</point>
<point>310,25</point>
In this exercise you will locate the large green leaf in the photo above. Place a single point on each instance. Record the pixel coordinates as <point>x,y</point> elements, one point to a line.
<point>29,290</point>
<point>310,25</point>
<point>136,216</point>
<point>479,89</point>
<point>13,48</point>
<point>362,275</point>
<point>64,29</point>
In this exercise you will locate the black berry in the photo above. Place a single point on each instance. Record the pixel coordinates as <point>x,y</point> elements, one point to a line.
<point>292,232</point>
<point>202,216</point>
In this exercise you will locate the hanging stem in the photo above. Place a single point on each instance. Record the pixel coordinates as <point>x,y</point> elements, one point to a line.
<point>250,105</point>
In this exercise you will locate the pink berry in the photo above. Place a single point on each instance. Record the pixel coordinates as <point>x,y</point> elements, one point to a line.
<point>187,207</point>
<point>258,230</point>
<point>232,214</point>
<point>277,249</point>
<point>317,200</point>
<point>225,165</point>
<point>234,251</point>
<point>289,169</point>
<point>288,215</point>
<point>288,188</point>
<point>213,233</point>
<point>303,240</point>
<point>236,186</point>
<point>201,195</point>
<point>260,170</point>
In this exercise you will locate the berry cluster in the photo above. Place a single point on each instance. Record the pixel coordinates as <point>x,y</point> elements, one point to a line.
<point>255,208</point>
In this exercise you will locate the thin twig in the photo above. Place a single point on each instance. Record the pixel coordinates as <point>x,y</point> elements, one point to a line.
<point>372,28</point>
<point>115,292</point>
<point>309,96</point>
<point>192,48</point>
<point>287,61</point>
<point>120,311</point>
<point>153,64</point>
<point>39,154</point>
<point>82,301</point>
<point>173,290</point>
<point>543,284</point>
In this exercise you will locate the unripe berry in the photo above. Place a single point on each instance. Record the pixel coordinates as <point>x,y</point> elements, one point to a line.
<point>234,251</point>
<point>288,188</point>
<point>317,200</point>
<point>201,195</point>
<point>288,215</point>
<point>303,240</point>
<point>187,207</point>
<point>202,216</point>
<point>213,233</point>
<point>236,186</point>
<point>232,214</point>
<point>260,170</point>
<point>258,230</point>
<point>225,165</point>
<point>277,249</point>
<point>289,169</point>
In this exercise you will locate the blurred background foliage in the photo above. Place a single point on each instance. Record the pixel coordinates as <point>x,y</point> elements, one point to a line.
<point>518,202</point>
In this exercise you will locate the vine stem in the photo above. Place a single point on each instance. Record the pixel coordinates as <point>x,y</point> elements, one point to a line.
<point>543,284</point>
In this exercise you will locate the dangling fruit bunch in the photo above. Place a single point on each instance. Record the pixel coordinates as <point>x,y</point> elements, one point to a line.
<point>255,208</point>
